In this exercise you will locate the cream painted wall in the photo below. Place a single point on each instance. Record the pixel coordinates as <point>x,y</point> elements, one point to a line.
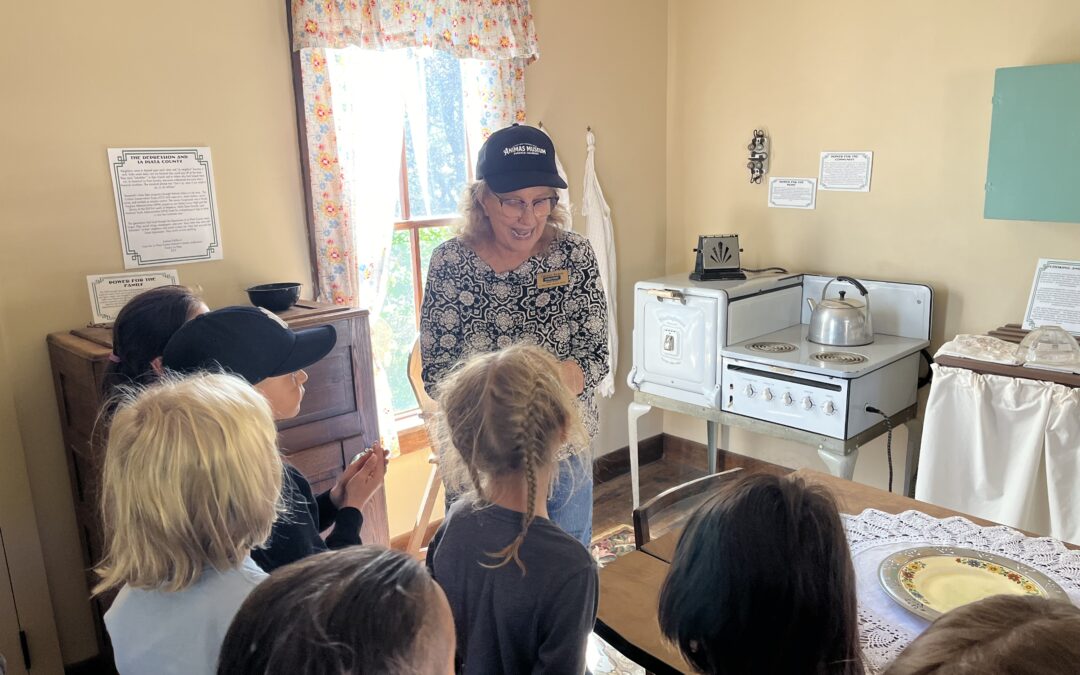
<point>911,82</point>
<point>129,74</point>
<point>602,64</point>
<point>26,572</point>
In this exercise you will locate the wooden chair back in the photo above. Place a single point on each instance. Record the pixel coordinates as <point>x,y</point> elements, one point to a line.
<point>431,491</point>
<point>416,381</point>
<point>672,496</point>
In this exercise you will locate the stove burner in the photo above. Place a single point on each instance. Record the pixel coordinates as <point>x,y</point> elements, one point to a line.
<point>839,358</point>
<point>772,347</point>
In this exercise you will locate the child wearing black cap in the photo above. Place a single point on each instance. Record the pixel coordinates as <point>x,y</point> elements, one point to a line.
<point>261,348</point>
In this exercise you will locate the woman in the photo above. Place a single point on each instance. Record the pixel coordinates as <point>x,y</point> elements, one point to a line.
<point>512,276</point>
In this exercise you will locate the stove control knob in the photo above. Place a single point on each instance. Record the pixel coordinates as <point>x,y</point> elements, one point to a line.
<point>829,408</point>
<point>787,398</point>
<point>749,391</point>
<point>807,403</point>
<point>767,394</point>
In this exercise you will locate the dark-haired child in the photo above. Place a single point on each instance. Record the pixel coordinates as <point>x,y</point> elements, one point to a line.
<point>762,582</point>
<point>364,609</point>
<point>141,331</point>
<point>258,346</point>
<point>523,592</point>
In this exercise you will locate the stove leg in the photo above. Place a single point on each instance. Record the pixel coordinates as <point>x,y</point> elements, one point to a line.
<point>911,465</point>
<point>633,412</point>
<point>711,431</point>
<point>841,466</point>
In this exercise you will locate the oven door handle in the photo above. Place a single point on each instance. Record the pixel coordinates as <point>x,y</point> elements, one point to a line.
<point>668,294</point>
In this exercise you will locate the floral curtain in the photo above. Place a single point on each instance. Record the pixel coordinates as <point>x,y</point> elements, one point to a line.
<point>353,167</point>
<point>495,30</point>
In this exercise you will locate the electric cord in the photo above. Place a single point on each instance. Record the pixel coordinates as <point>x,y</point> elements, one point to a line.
<point>764,269</point>
<point>929,377</point>
<point>888,438</point>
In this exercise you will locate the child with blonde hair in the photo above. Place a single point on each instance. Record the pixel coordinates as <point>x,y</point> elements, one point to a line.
<point>522,591</point>
<point>191,483</point>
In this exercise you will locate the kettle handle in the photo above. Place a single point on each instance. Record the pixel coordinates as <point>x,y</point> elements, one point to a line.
<point>855,283</point>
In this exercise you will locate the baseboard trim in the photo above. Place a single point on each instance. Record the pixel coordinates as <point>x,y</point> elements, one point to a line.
<point>617,462</point>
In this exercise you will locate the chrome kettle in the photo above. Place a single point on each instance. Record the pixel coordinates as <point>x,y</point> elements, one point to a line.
<point>841,322</point>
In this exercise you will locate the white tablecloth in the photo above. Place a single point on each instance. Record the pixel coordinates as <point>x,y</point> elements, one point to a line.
<point>885,627</point>
<point>1003,448</point>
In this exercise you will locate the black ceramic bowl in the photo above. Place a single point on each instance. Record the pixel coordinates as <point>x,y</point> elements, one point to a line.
<point>275,297</point>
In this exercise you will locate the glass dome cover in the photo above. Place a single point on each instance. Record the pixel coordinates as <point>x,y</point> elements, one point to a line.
<point>1050,345</point>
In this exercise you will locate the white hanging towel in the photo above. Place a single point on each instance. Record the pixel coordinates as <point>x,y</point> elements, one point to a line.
<point>563,193</point>
<point>600,234</point>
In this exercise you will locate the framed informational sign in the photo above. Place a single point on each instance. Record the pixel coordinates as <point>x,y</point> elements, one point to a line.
<point>165,205</point>
<point>1055,296</point>
<point>110,292</point>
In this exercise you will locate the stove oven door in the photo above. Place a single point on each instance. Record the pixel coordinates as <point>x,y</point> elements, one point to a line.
<point>675,345</point>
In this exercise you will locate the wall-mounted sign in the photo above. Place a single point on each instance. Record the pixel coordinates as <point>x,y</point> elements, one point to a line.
<point>846,171</point>
<point>1055,296</point>
<point>165,205</point>
<point>792,193</point>
<point>110,292</point>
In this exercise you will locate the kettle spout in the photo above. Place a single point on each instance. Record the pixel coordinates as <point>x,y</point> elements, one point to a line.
<point>810,301</point>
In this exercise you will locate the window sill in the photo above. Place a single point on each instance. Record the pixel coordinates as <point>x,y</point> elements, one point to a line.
<point>412,436</point>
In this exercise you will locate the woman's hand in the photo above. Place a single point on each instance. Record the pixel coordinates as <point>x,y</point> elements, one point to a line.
<point>361,479</point>
<point>572,376</point>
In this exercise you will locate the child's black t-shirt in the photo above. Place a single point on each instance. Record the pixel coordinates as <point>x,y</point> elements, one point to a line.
<point>506,622</point>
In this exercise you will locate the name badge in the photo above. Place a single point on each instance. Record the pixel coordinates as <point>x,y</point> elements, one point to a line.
<point>556,278</point>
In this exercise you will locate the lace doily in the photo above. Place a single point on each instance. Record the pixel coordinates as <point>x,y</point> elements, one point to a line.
<point>981,348</point>
<point>885,628</point>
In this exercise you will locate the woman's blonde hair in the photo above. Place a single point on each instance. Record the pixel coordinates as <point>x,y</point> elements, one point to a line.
<point>1016,634</point>
<point>192,478</point>
<point>506,413</point>
<point>474,227</point>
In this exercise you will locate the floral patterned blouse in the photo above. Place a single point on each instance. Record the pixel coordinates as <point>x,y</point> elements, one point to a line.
<point>553,300</point>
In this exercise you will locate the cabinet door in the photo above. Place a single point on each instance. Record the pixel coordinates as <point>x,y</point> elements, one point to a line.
<point>10,647</point>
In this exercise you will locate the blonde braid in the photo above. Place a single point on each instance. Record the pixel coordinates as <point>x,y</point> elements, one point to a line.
<point>534,439</point>
<point>506,413</point>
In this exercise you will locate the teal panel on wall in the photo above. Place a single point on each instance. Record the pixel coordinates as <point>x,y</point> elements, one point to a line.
<point>1033,172</point>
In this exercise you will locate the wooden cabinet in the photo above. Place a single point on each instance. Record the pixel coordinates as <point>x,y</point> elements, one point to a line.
<point>337,420</point>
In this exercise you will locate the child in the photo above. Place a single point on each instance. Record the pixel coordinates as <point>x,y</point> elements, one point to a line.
<point>364,609</point>
<point>522,591</point>
<point>762,582</point>
<point>1014,634</point>
<point>191,483</point>
<point>140,332</point>
<point>261,348</point>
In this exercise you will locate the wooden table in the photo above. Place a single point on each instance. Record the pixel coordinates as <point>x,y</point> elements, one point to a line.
<point>851,497</point>
<point>630,586</point>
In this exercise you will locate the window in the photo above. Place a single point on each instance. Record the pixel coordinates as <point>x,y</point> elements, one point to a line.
<point>435,168</point>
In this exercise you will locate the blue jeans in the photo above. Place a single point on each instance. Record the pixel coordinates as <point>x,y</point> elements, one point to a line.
<point>570,505</point>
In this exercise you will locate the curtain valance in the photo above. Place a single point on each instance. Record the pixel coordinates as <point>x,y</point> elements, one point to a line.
<point>468,29</point>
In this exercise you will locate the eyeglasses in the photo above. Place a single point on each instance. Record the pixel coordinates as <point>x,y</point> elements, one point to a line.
<point>515,208</point>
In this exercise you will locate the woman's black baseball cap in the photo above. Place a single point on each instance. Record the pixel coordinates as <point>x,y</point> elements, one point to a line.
<point>518,157</point>
<point>248,341</point>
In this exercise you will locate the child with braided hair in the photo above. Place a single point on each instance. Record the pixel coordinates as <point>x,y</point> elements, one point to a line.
<point>522,591</point>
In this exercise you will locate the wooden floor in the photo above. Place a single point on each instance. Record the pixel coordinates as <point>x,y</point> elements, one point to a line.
<point>682,461</point>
